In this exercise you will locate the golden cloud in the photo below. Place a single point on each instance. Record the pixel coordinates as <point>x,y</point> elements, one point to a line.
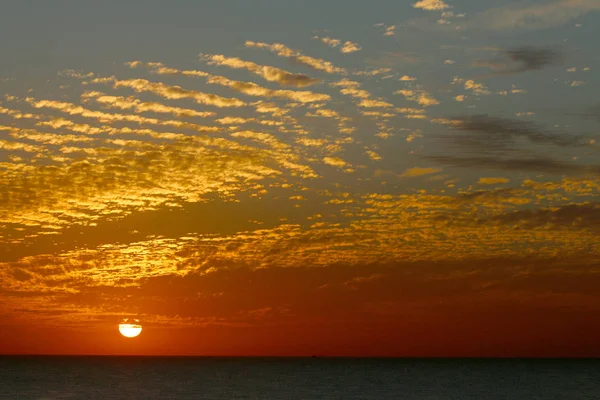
<point>493,181</point>
<point>419,96</point>
<point>284,51</point>
<point>173,92</point>
<point>418,171</point>
<point>431,5</point>
<point>269,73</point>
<point>252,89</point>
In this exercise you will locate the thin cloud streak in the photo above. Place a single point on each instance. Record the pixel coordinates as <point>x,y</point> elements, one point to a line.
<point>538,16</point>
<point>539,164</point>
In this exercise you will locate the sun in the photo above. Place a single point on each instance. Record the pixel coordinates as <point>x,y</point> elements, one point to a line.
<point>130,328</point>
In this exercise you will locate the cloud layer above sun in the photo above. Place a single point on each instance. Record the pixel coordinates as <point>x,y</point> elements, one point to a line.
<point>248,185</point>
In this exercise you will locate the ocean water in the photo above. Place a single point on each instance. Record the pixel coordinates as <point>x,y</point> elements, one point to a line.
<point>295,378</point>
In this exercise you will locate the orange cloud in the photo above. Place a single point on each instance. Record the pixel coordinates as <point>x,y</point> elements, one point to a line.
<point>284,51</point>
<point>418,171</point>
<point>269,73</point>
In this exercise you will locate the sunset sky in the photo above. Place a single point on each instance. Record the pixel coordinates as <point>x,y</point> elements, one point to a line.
<point>273,177</point>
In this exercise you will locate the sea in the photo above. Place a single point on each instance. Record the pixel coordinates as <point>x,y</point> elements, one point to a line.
<point>83,377</point>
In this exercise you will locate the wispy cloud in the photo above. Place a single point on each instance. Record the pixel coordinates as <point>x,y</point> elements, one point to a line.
<point>419,171</point>
<point>418,96</point>
<point>345,47</point>
<point>544,15</point>
<point>130,103</point>
<point>73,109</point>
<point>252,89</point>
<point>492,181</point>
<point>538,164</point>
<point>269,73</point>
<point>172,92</point>
<point>284,51</point>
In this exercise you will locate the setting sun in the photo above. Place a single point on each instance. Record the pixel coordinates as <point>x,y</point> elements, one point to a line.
<point>130,330</point>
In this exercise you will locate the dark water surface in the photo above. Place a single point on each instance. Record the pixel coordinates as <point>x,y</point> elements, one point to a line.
<point>295,378</point>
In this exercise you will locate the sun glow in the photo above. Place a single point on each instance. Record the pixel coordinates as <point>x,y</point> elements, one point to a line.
<point>130,330</point>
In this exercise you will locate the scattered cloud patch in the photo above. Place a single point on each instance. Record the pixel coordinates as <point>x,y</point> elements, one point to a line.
<point>418,171</point>
<point>532,16</point>
<point>493,181</point>
<point>431,5</point>
<point>269,73</point>
<point>284,51</point>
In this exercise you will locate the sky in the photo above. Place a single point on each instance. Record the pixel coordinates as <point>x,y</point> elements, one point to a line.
<point>339,178</point>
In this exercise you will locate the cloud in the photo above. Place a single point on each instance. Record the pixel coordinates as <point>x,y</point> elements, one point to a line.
<point>248,88</point>
<point>323,112</point>
<point>46,138</point>
<point>373,72</point>
<point>417,171</point>
<point>269,73</point>
<point>374,104</point>
<point>329,41</point>
<point>131,103</point>
<point>373,155</point>
<point>407,78</point>
<point>95,212</point>
<point>110,118</point>
<point>351,88</point>
<point>347,47</point>
<point>492,181</point>
<point>575,216</point>
<point>419,96</point>
<point>15,114</point>
<point>261,137</point>
<point>350,47</point>
<point>284,51</point>
<point>335,162</point>
<point>540,164</point>
<point>536,16</point>
<point>11,146</point>
<point>524,58</point>
<point>252,89</point>
<point>414,135</point>
<point>172,92</point>
<point>83,187</point>
<point>477,88</point>
<point>493,133</point>
<point>431,5</point>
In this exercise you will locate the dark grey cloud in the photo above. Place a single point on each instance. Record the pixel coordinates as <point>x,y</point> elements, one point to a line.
<point>578,216</point>
<point>484,132</point>
<point>523,58</point>
<point>541,165</point>
<point>493,143</point>
<point>533,58</point>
